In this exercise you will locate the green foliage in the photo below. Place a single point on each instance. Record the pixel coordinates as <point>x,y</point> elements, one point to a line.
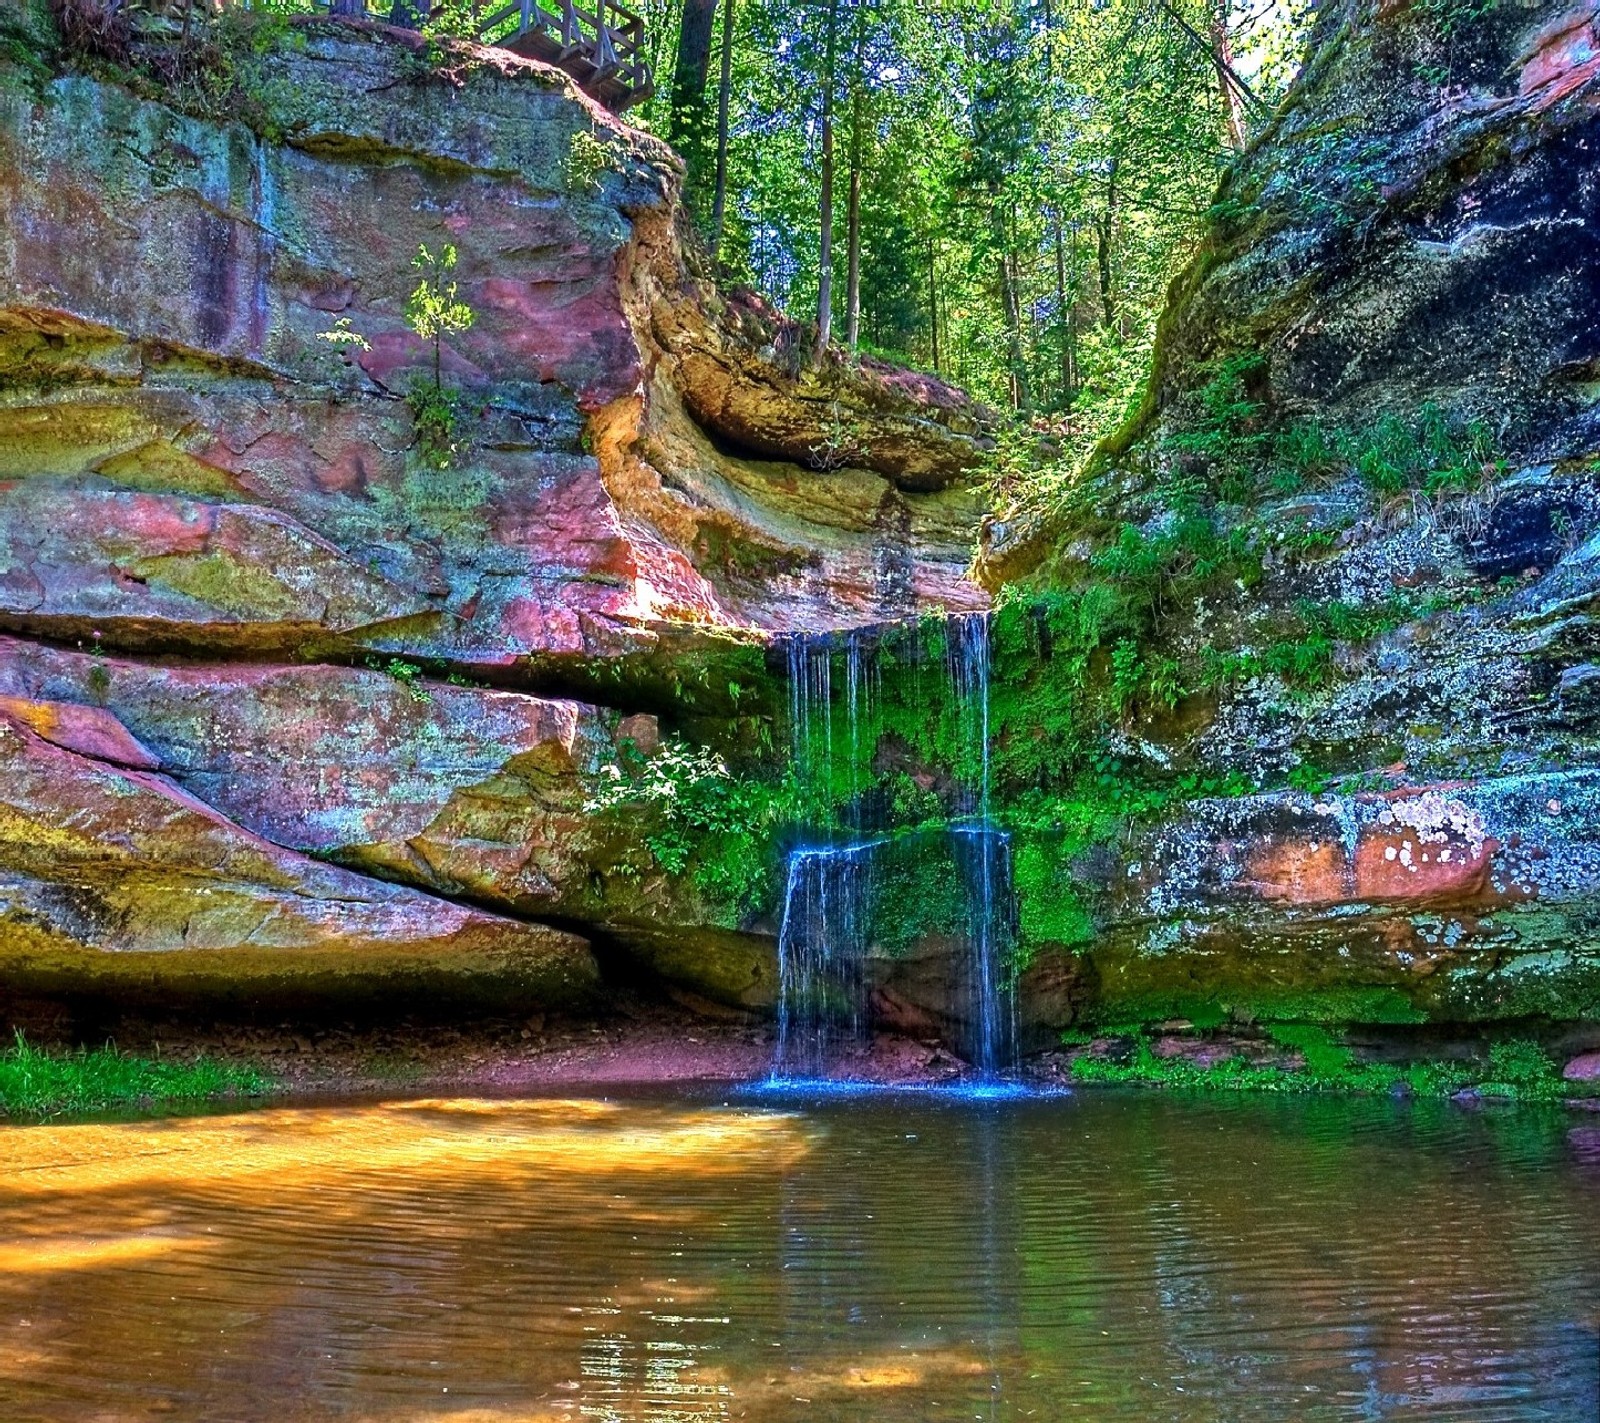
<point>1306,777</point>
<point>1224,430</point>
<point>441,417</point>
<point>1456,17</point>
<point>1325,1059</point>
<point>27,40</point>
<point>588,161</point>
<point>1302,452</point>
<point>38,1083</point>
<point>1029,183</point>
<point>344,337</point>
<point>451,20</point>
<point>917,891</point>
<point>408,674</point>
<point>1431,453</point>
<point>1326,1065</point>
<point>704,819</point>
<point>434,309</point>
<point>1519,1068</point>
<point>442,420</point>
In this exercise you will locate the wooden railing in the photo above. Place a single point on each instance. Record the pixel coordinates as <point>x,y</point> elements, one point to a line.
<point>603,49</point>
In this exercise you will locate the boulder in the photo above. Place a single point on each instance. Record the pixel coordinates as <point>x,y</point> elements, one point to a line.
<point>115,878</point>
<point>1418,223</point>
<point>1583,1068</point>
<point>467,791</point>
<point>191,462</point>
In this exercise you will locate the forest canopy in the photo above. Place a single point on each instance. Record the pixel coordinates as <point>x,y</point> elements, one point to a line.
<point>995,191</point>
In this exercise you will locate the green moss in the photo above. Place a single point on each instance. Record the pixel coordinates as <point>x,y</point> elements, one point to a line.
<point>37,1083</point>
<point>1232,996</point>
<point>1558,985</point>
<point>1050,908</point>
<point>224,583</point>
<point>1517,1070</point>
<point>918,892</point>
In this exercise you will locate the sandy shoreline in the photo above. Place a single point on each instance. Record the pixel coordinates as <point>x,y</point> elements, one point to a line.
<point>647,1045</point>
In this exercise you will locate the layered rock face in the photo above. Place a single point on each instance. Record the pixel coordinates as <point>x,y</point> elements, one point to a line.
<point>1417,225</point>
<point>253,629</point>
<point>1405,263</point>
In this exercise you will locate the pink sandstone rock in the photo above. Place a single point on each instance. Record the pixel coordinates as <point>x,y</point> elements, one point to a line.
<point>1583,1068</point>
<point>101,861</point>
<point>90,731</point>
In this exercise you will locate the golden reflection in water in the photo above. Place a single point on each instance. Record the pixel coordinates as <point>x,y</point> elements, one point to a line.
<point>601,1262</point>
<point>279,1149</point>
<point>849,1386</point>
<point>150,1247</point>
<point>44,1255</point>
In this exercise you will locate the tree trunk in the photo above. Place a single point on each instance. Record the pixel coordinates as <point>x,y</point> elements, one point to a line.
<point>852,284</point>
<point>1104,225</point>
<point>719,206</point>
<point>1011,309</point>
<point>1064,320</point>
<point>825,246</point>
<point>858,111</point>
<point>933,298</point>
<point>688,127</point>
<point>1232,100</point>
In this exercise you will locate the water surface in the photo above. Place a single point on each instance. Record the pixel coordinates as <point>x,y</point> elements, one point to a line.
<point>1104,1256</point>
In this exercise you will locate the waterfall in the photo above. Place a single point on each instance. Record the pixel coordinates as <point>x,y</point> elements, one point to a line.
<point>810,666</point>
<point>828,905</point>
<point>983,852</point>
<point>827,900</point>
<point>822,957</point>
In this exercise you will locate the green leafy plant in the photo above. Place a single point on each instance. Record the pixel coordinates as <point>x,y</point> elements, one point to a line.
<point>442,419</point>
<point>408,674</point>
<point>588,161</point>
<point>345,337</point>
<point>435,309</point>
<point>703,818</point>
<point>1520,1068</point>
<point>440,415</point>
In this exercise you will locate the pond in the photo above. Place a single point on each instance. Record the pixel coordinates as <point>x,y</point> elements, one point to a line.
<point>1106,1256</point>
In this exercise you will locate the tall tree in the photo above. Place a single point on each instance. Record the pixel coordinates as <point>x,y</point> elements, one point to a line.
<point>858,112</point>
<point>1014,185</point>
<point>719,204</point>
<point>689,123</point>
<point>825,205</point>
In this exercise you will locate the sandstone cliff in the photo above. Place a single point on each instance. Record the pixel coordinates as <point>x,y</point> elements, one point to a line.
<point>252,634</point>
<point>1366,484</point>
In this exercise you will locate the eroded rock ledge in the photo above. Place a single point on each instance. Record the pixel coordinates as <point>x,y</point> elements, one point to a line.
<point>246,707</point>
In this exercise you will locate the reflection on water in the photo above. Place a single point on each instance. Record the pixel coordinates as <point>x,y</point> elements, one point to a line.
<point>1102,1257</point>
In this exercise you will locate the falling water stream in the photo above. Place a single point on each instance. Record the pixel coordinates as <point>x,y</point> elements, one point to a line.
<point>825,931</point>
<point>822,957</point>
<point>983,852</point>
<point>827,900</point>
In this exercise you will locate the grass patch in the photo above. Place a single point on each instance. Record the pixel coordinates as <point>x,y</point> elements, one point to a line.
<point>36,1082</point>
